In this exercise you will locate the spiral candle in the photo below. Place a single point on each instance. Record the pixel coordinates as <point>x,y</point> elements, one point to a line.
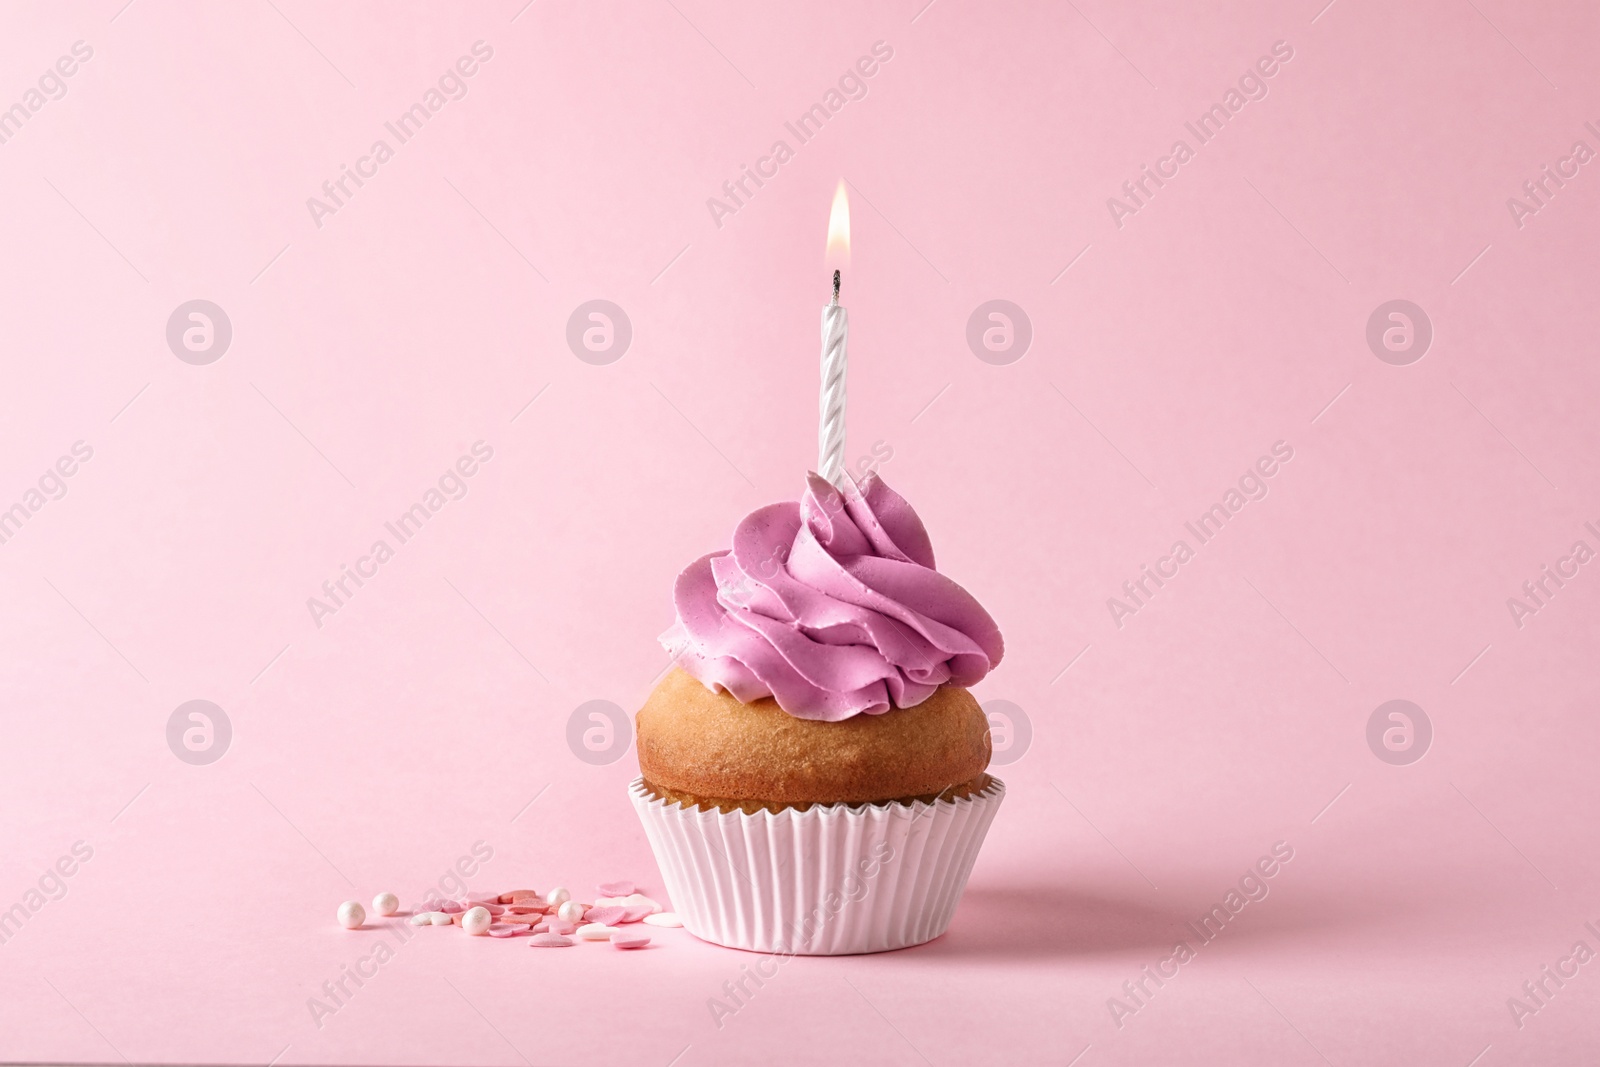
<point>831,400</point>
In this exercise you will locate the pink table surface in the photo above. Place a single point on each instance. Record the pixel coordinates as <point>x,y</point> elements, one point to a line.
<point>1171,347</point>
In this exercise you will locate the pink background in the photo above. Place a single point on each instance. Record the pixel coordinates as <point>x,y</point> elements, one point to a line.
<point>368,354</point>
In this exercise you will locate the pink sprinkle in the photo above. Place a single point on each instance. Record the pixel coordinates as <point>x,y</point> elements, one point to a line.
<point>610,915</point>
<point>615,889</point>
<point>492,909</point>
<point>636,913</point>
<point>451,907</point>
<point>629,939</point>
<point>504,929</point>
<point>563,928</point>
<point>549,941</point>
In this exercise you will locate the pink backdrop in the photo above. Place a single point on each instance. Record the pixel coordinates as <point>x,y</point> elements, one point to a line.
<point>1367,155</point>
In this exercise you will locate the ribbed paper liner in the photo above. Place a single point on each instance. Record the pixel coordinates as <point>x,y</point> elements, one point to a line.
<point>750,881</point>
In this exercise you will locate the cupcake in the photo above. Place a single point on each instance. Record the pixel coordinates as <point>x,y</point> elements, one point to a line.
<point>813,767</point>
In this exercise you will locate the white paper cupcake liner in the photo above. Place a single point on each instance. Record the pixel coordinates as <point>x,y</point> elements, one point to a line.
<point>828,881</point>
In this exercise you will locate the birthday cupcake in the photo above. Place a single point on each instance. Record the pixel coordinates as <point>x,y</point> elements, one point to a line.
<point>813,768</point>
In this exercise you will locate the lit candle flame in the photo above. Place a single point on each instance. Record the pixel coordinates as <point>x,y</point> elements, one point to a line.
<point>838,254</point>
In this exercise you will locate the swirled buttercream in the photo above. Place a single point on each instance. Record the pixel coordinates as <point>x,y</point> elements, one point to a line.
<point>832,607</point>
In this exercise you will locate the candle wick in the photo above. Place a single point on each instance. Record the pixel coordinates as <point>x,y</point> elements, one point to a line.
<point>835,288</point>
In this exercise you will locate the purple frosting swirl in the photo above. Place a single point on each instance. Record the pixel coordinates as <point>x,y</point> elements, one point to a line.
<point>831,606</point>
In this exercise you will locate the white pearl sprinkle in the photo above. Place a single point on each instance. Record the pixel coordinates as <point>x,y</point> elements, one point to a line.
<point>476,921</point>
<point>385,903</point>
<point>559,895</point>
<point>570,912</point>
<point>352,914</point>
